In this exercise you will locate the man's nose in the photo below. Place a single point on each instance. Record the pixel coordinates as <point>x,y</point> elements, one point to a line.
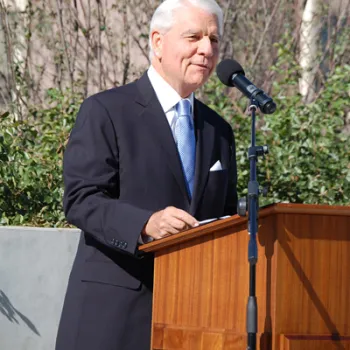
<point>206,47</point>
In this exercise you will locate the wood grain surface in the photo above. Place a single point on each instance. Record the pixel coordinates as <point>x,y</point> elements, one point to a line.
<point>302,287</point>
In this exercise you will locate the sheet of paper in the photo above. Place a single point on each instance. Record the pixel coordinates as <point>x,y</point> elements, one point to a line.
<point>203,222</point>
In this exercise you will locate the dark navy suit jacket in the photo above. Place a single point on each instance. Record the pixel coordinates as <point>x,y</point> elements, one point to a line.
<point>121,165</point>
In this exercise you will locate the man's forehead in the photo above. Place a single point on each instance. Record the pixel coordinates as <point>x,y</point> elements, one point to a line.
<point>194,30</point>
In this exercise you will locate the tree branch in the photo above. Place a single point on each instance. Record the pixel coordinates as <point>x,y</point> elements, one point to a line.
<point>99,46</point>
<point>12,84</point>
<point>60,24</point>
<point>267,26</point>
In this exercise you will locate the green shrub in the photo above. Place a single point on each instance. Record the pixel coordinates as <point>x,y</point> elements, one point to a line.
<point>309,159</point>
<point>309,155</point>
<point>31,151</point>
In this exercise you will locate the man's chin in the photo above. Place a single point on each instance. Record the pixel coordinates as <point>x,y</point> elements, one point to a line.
<point>201,80</point>
<point>200,77</point>
<point>196,82</point>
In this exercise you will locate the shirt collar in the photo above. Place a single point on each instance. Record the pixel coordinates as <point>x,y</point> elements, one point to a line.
<point>166,94</point>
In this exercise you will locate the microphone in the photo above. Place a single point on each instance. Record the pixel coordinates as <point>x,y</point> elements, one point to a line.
<point>231,73</point>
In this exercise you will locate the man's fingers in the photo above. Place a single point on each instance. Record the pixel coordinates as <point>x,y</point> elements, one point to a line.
<point>176,225</point>
<point>162,234</point>
<point>169,221</point>
<point>182,216</point>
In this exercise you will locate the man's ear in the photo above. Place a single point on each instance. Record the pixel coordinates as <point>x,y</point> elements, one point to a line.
<point>157,43</point>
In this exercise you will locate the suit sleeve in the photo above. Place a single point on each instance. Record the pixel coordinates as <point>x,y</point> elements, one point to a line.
<point>231,197</point>
<point>91,178</point>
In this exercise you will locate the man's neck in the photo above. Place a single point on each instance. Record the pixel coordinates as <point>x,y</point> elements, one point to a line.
<point>182,91</point>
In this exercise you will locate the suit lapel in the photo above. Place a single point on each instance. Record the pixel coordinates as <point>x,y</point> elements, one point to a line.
<point>204,152</point>
<point>155,119</point>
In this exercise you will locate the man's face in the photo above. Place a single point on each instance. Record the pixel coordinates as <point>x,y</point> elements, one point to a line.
<point>187,54</point>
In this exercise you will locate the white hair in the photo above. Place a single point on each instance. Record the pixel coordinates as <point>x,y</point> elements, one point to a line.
<point>163,17</point>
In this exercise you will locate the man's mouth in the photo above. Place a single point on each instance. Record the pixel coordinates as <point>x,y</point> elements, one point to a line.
<point>204,66</point>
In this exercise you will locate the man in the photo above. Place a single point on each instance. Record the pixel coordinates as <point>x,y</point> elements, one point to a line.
<point>144,161</point>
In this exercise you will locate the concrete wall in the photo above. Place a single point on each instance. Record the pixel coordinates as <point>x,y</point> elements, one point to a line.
<point>34,269</point>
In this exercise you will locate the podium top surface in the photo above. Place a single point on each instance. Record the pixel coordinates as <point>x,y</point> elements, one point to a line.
<point>235,220</point>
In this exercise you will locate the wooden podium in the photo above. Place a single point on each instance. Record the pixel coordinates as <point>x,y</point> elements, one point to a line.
<point>302,282</point>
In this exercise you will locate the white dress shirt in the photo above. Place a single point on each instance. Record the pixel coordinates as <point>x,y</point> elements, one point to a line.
<point>168,99</point>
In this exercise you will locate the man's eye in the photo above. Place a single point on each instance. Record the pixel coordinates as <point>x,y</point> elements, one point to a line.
<point>214,40</point>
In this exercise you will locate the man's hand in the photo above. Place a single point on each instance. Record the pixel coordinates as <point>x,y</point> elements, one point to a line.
<point>167,222</point>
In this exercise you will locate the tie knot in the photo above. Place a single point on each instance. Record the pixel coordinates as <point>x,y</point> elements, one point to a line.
<point>184,108</point>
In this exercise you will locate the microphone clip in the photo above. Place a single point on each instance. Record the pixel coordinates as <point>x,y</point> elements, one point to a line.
<point>253,105</point>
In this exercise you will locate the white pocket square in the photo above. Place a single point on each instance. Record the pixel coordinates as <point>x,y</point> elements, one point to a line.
<point>217,166</point>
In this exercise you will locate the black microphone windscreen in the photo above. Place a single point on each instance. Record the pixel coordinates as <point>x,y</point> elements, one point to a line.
<point>226,69</point>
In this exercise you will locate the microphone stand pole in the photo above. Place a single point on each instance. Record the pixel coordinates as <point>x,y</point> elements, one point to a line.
<point>253,209</point>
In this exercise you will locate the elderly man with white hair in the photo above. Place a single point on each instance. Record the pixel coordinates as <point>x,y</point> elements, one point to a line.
<point>144,161</point>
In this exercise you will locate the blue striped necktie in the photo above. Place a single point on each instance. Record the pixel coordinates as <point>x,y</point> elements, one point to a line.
<point>186,142</point>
